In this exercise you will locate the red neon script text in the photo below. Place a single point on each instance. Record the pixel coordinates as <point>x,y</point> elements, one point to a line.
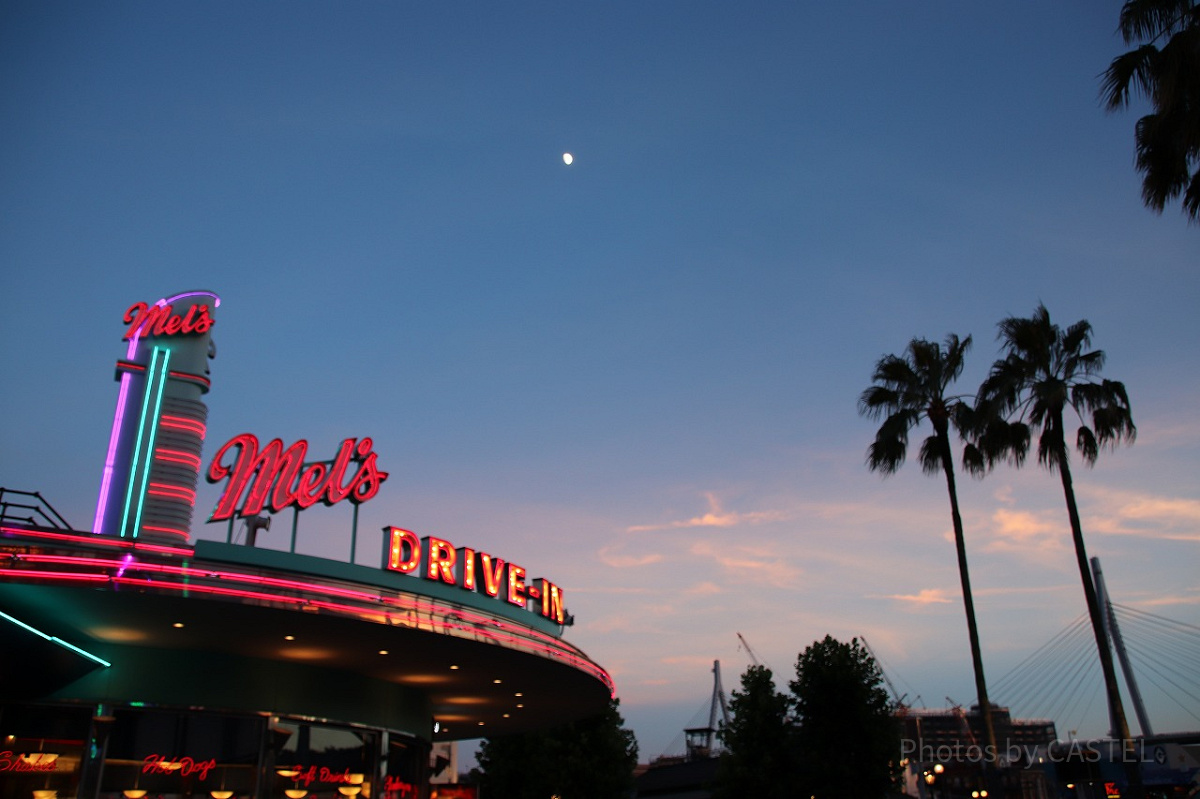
<point>159,320</point>
<point>277,478</point>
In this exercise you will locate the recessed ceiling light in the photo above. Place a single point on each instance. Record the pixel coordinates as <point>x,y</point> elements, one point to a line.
<point>518,693</point>
<point>289,638</point>
<point>453,668</point>
<point>481,724</point>
<point>177,625</point>
<point>383,651</point>
<point>506,716</point>
<point>520,705</point>
<point>497,681</point>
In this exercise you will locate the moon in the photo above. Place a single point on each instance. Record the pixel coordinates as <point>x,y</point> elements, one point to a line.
<point>568,158</point>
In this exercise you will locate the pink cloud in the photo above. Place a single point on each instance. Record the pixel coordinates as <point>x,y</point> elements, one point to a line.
<point>926,596</point>
<point>714,517</point>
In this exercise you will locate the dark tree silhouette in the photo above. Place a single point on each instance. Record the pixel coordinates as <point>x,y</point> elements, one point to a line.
<point>847,733</point>
<point>759,757</point>
<point>589,759</point>
<point>1164,67</point>
<point>909,389</point>
<point>1047,373</point>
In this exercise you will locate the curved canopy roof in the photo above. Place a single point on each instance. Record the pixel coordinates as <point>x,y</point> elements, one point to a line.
<point>483,671</point>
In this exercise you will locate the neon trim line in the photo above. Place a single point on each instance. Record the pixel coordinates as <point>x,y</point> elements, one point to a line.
<point>56,640</point>
<point>135,494</point>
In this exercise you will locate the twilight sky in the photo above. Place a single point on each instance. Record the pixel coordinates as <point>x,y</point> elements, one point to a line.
<point>636,375</point>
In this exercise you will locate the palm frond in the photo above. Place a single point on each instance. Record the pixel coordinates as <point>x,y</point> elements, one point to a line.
<point>1191,198</point>
<point>1129,73</point>
<point>1165,69</point>
<point>1076,337</point>
<point>878,400</point>
<point>1150,19</point>
<point>1085,442</point>
<point>887,453</point>
<point>973,461</point>
<point>931,455</point>
<point>1050,452</point>
<point>1046,373</point>
<point>907,389</point>
<point>1162,158</point>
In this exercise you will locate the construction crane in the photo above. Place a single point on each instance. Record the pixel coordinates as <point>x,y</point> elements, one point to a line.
<point>896,697</point>
<point>968,733</point>
<point>744,644</point>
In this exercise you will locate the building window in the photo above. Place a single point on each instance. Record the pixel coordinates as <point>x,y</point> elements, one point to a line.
<point>158,754</point>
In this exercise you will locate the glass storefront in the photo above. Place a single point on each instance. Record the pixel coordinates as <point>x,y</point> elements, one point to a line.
<point>84,752</point>
<point>42,750</point>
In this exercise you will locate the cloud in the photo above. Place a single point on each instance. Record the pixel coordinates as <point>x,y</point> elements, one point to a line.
<point>1116,512</point>
<point>1171,600</point>
<point>610,557</point>
<point>751,564</point>
<point>715,517</point>
<point>1179,434</point>
<point>1028,534</point>
<point>926,596</point>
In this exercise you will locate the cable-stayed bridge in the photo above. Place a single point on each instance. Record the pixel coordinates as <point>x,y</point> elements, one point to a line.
<point>1062,679</point>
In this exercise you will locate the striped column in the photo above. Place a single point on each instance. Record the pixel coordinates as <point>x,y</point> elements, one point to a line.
<point>148,489</point>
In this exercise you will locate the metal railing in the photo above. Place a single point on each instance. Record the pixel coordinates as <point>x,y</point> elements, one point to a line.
<point>41,514</point>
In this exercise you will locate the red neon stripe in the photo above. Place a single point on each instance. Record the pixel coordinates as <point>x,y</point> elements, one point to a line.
<point>177,456</point>
<point>151,492</point>
<point>475,623</point>
<point>61,576</point>
<point>94,539</point>
<point>189,376</point>
<point>181,533</point>
<point>558,650</point>
<point>472,620</point>
<point>183,423</point>
<point>130,366</point>
<point>171,492</point>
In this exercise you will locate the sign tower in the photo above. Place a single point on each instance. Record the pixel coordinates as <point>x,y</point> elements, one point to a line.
<point>148,489</point>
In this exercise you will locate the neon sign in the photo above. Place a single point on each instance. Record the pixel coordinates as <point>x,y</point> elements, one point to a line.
<point>36,762</point>
<point>160,320</point>
<point>278,478</point>
<point>323,775</point>
<point>394,786</point>
<point>472,571</point>
<point>184,766</point>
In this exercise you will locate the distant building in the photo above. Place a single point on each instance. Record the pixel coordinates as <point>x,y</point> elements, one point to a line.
<point>946,750</point>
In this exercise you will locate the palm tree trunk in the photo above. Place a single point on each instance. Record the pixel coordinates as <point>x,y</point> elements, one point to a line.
<point>1120,727</point>
<point>985,705</point>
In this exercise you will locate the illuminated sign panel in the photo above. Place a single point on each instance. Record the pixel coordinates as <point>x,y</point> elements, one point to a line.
<point>160,320</point>
<point>438,560</point>
<point>184,766</point>
<point>278,478</point>
<point>39,762</point>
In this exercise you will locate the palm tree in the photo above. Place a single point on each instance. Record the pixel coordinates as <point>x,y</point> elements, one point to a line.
<point>910,389</point>
<point>1168,139</point>
<point>1046,373</point>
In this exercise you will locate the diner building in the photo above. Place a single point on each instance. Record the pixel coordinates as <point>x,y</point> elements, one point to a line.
<point>137,662</point>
